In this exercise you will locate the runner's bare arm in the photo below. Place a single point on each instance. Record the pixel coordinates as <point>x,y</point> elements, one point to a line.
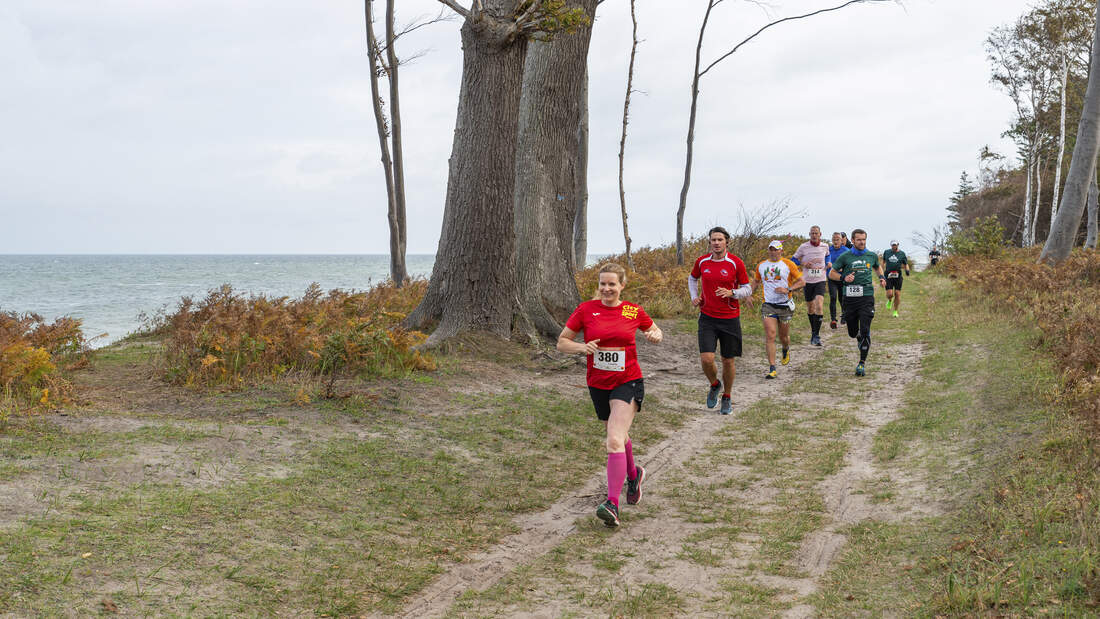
<point>567,344</point>
<point>654,334</point>
<point>798,283</point>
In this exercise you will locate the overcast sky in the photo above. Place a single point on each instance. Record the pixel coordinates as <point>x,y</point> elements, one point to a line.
<point>155,126</point>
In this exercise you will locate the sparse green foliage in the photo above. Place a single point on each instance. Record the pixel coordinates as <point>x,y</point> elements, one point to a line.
<point>552,17</point>
<point>985,238</point>
<point>228,338</point>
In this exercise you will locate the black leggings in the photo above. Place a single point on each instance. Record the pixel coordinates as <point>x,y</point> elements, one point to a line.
<point>859,312</point>
<point>835,294</point>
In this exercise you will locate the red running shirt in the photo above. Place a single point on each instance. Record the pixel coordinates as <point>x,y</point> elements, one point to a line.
<point>617,360</point>
<point>730,272</point>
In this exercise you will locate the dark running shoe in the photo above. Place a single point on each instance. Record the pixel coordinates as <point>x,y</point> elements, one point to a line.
<point>727,405</point>
<point>832,324</point>
<point>860,370</point>
<point>815,340</point>
<point>634,486</point>
<point>712,395</point>
<point>842,321</point>
<point>609,513</point>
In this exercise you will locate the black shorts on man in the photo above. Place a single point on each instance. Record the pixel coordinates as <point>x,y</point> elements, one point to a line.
<point>859,311</point>
<point>720,331</point>
<point>814,290</point>
<point>629,391</point>
<point>893,280</point>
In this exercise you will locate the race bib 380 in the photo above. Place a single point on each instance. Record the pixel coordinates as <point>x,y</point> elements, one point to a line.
<point>610,359</point>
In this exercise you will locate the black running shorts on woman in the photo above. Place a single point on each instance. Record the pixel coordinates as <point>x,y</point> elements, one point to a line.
<point>601,398</point>
<point>725,331</point>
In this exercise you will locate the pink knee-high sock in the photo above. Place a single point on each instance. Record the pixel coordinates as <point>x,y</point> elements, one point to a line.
<point>616,474</point>
<point>631,472</point>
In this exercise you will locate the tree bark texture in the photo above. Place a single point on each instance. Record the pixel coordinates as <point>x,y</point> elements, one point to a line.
<point>398,149</point>
<point>547,146</point>
<point>1061,141</point>
<point>1038,199</point>
<point>394,216</point>
<point>473,282</point>
<point>1063,230</point>
<point>1094,194</point>
<point>580,222</point>
<point>690,138</point>
<point>1026,235</point>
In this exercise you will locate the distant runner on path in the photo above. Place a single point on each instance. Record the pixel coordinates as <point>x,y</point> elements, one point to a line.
<point>836,290</point>
<point>779,278</point>
<point>614,378</point>
<point>933,256</point>
<point>717,282</point>
<point>812,257</point>
<point>854,270</point>
<point>893,261</point>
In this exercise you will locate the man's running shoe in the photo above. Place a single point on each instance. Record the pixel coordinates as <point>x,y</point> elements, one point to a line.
<point>815,340</point>
<point>634,487</point>
<point>786,356</point>
<point>832,324</point>
<point>842,321</point>
<point>895,313</point>
<point>712,395</point>
<point>609,513</point>
<point>860,370</point>
<point>727,405</point>
<point>771,373</point>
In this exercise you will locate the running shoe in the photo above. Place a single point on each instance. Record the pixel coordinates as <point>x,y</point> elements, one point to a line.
<point>895,313</point>
<point>888,302</point>
<point>609,513</point>
<point>815,340</point>
<point>832,324</point>
<point>860,370</point>
<point>842,321</point>
<point>634,487</point>
<point>727,405</point>
<point>786,356</point>
<point>712,395</point>
<point>771,373</point>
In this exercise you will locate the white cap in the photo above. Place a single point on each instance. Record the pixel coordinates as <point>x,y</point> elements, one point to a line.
<point>777,244</point>
<point>894,242</point>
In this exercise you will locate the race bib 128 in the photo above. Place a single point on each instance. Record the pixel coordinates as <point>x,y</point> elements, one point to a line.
<point>609,359</point>
<point>853,290</point>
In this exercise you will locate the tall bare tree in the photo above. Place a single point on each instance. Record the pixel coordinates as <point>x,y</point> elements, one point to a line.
<point>547,169</point>
<point>622,139</point>
<point>1063,230</point>
<point>395,183</point>
<point>1091,207</point>
<point>698,75</point>
<point>473,282</point>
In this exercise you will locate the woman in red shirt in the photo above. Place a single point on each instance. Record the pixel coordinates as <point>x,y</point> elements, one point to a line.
<point>614,378</point>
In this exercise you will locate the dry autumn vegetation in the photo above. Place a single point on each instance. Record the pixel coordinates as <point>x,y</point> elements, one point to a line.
<point>33,355</point>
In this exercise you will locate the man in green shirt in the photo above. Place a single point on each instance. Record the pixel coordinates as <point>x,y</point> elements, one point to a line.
<point>855,270</point>
<point>893,261</point>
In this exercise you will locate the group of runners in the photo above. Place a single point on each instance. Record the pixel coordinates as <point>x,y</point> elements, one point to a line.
<point>719,284</point>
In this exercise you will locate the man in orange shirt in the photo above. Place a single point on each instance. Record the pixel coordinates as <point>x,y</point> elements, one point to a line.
<point>779,277</point>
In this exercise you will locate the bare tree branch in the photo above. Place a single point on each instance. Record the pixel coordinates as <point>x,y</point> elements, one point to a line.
<point>456,8</point>
<point>780,21</point>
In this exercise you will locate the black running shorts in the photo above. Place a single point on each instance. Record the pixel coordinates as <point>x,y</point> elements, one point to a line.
<point>893,283</point>
<point>601,398</point>
<point>858,312</point>
<point>724,331</point>
<point>814,290</point>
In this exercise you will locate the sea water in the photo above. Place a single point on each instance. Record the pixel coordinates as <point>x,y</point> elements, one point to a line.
<point>109,293</point>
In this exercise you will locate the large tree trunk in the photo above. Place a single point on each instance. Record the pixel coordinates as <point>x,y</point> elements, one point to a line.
<point>580,222</point>
<point>1094,193</point>
<point>394,215</point>
<point>546,175</point>
<point>1063,230</point>
<point>473,282</point>
<point>399,270</point>
<point>1038,199</point>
